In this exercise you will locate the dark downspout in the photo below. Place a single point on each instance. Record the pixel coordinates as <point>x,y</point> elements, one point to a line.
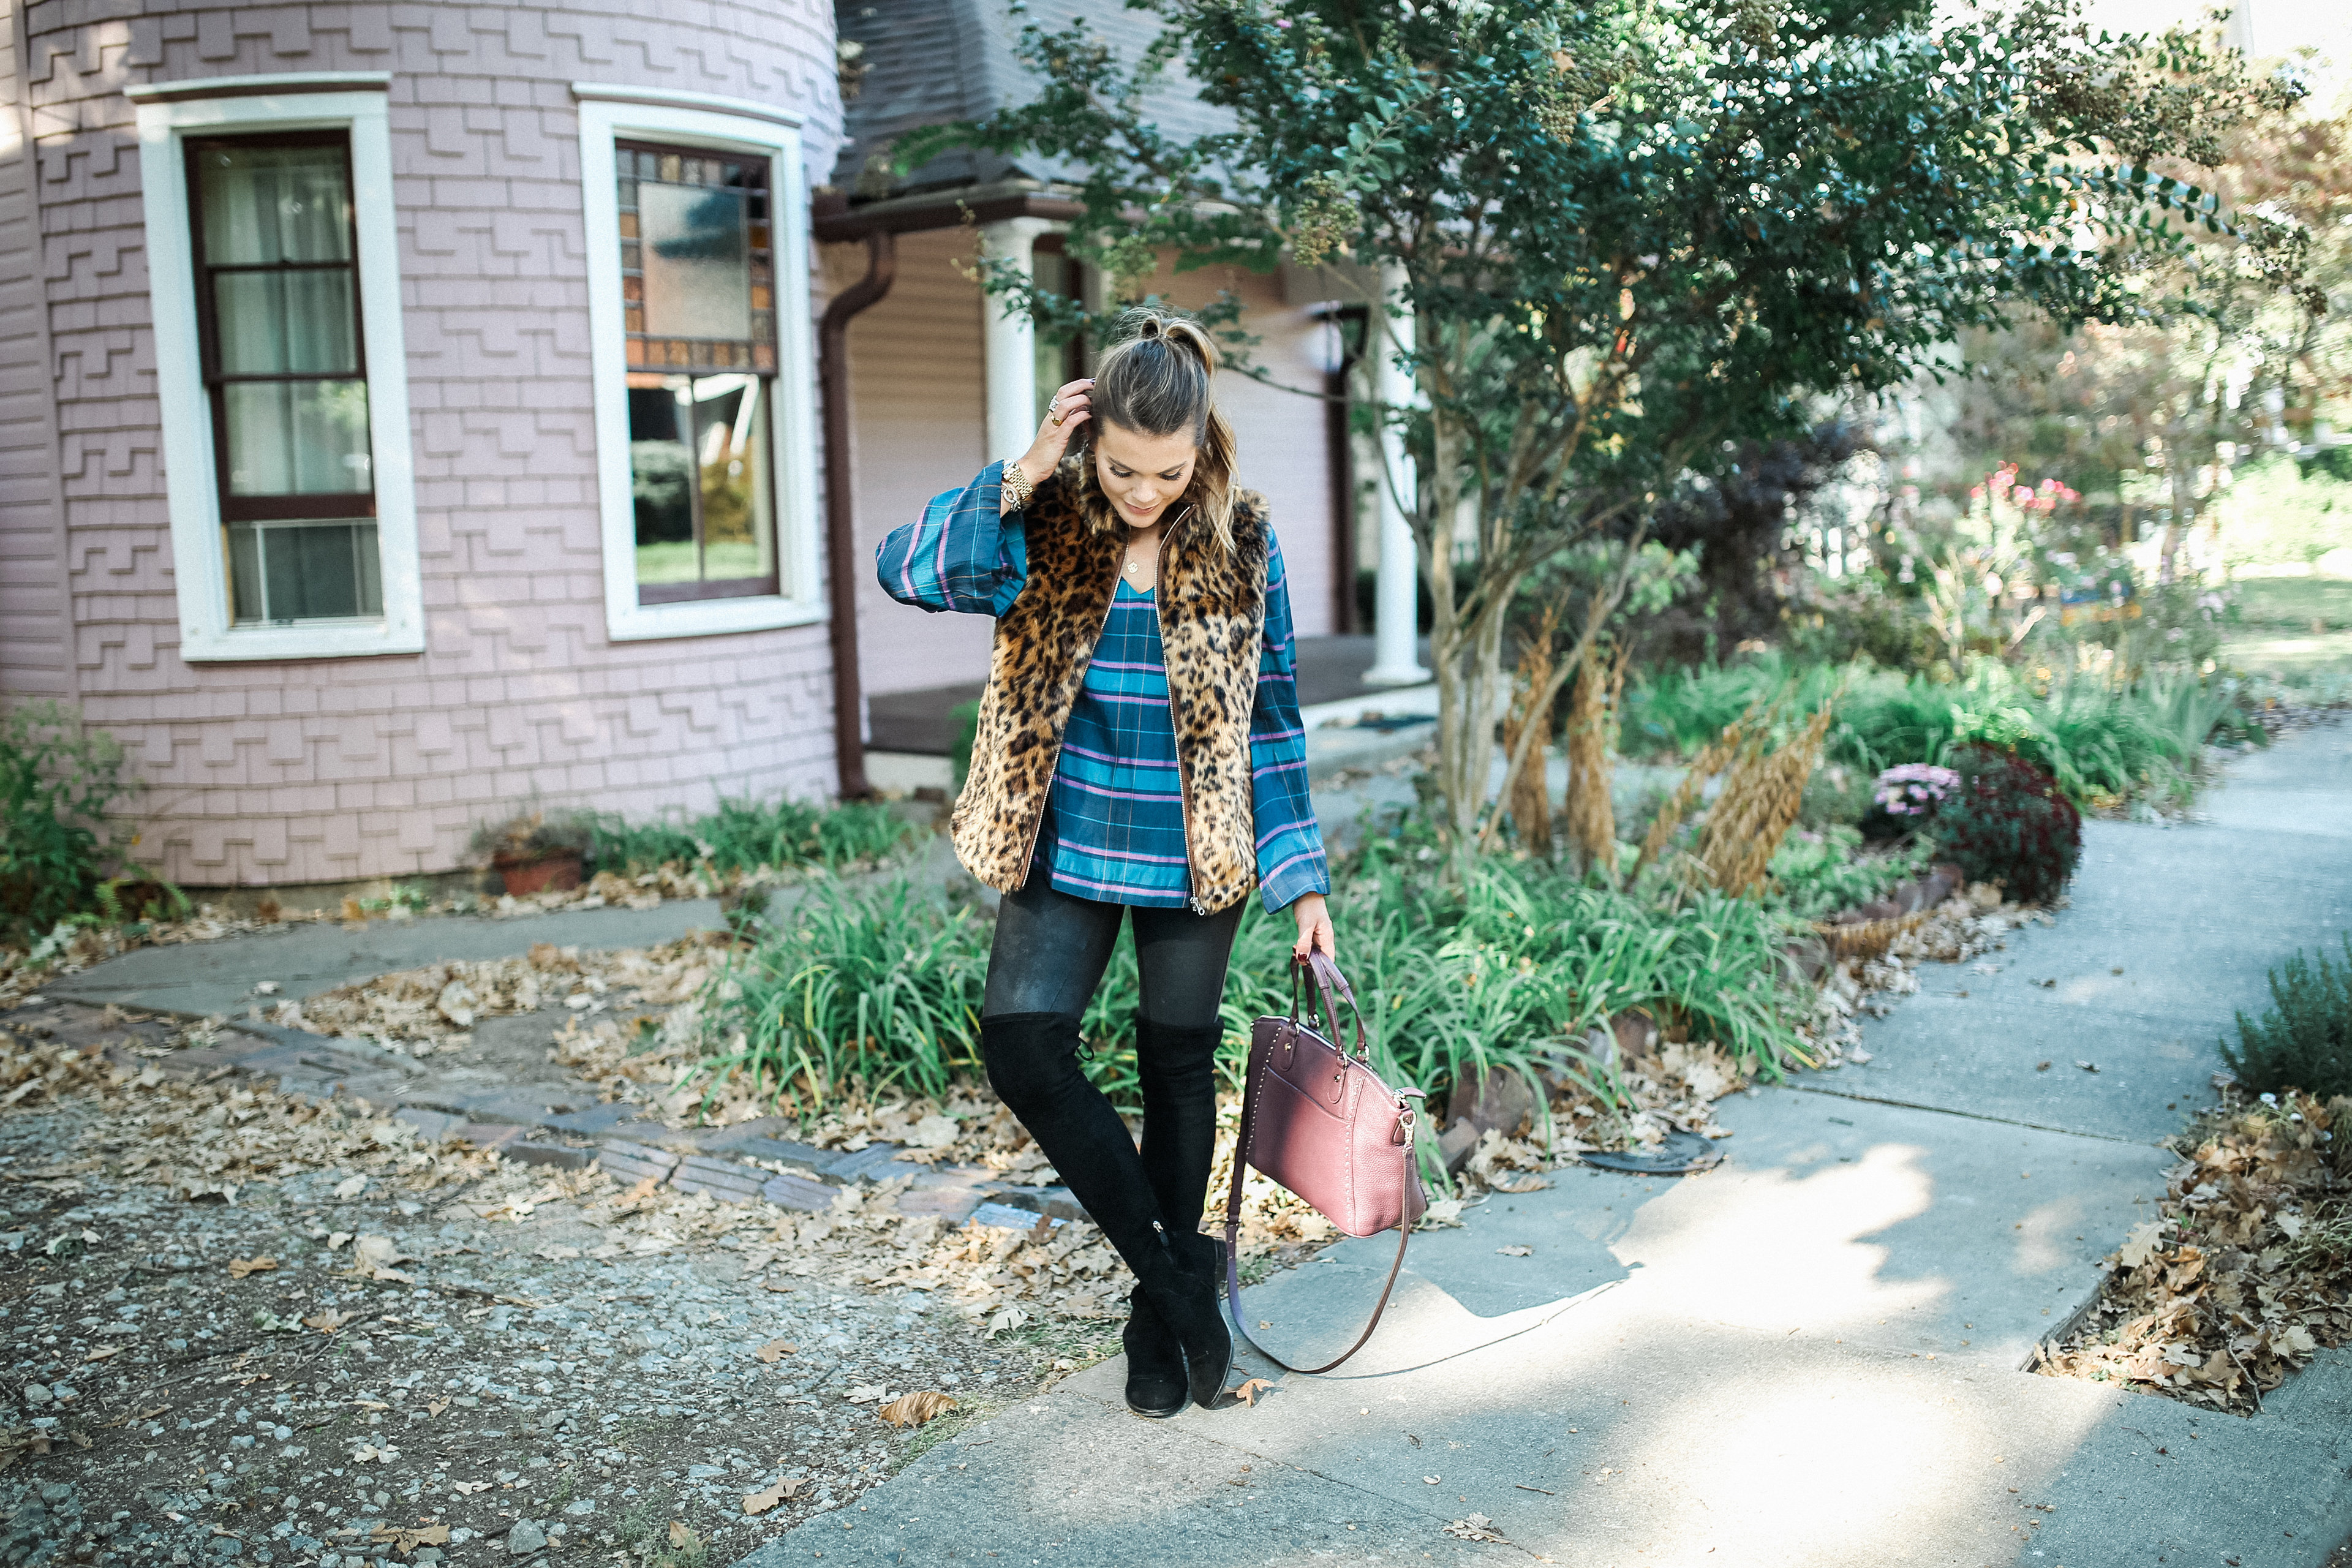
<point>1348,320</point>
<point>841,508</point>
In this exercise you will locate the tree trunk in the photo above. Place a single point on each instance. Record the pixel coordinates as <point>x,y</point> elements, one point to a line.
<point>1464,725</point>
<point>2184,503</point>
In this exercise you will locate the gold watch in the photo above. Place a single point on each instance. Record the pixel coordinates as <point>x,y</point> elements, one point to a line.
<point>1017,483</point>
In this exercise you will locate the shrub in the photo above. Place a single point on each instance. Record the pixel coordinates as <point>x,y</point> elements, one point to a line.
<point>57,782</point>
<point>1816,875</point>
<point>2303,1040</point>
<point>746,835</point>
<point>2009,823</point>
<point>882,982</point>
<point>2097,739</point>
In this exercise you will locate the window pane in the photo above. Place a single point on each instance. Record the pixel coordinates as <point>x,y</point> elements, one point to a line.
<point>297,438</point>
<point>730,419</point>
<point>286,572</point>
<point>698,456</point>
<point>661,471</point>
<point>272,323</point>
<point>696,261</point>
<point>246,602</point>
<point>265,204</point>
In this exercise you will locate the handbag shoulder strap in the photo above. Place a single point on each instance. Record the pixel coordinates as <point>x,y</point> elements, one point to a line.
<point>1232,1243</point>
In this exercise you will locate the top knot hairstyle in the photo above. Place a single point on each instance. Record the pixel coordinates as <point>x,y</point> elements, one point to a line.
<point>1157,380</point>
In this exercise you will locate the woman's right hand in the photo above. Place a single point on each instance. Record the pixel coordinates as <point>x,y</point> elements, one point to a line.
<point>1069,411</point>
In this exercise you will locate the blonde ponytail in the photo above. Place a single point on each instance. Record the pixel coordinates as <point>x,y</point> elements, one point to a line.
<point>1158,379</point>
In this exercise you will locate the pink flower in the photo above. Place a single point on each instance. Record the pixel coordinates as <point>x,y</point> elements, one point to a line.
<point>1914,789</point>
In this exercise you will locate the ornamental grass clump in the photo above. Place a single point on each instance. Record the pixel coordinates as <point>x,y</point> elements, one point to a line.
<point>1760,799</point>
<point>2011,824</point>
<point>877,984</point>
<point>744,836</point>
<point>875,988</point>
<point>2303,1040</point>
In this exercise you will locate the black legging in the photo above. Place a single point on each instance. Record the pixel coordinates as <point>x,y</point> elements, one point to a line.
<point>1049,954</point>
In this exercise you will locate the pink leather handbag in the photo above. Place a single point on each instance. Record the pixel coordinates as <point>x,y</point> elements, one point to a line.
<point>1321,1122</point>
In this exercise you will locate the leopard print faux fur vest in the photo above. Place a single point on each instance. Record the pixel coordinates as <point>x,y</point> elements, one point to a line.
<point>1212,613</point>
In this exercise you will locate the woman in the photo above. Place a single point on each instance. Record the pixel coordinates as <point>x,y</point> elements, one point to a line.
<point>1139,755</point>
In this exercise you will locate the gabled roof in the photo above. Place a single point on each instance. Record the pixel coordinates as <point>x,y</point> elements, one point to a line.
<point>931,61</point>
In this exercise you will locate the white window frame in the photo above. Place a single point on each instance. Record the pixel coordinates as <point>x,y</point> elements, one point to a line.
<point>724,125</point>
<point>355,102</point>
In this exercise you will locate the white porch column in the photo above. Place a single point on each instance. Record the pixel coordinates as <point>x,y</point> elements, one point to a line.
<point>1395,607</point>
<point>1009,342</point>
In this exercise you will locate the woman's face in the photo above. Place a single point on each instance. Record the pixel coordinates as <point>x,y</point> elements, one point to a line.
<point>1141,474</point>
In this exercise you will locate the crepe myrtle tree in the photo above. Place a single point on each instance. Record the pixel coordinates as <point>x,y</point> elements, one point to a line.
<point>1608,238</point>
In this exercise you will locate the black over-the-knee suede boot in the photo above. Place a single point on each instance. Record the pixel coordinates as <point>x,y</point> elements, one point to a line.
<point>1177,1067</point>
<point>1032,1064</point>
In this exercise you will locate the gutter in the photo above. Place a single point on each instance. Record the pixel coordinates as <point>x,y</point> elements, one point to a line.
<point>832,219</point>
<point>840,505</point>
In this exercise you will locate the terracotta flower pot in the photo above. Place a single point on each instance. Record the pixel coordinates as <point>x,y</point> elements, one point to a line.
<point>554,870</point>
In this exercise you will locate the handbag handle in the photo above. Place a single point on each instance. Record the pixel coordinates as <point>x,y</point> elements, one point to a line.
<point>1325,976</point>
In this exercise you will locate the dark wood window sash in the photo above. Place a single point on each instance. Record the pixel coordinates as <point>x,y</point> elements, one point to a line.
<point>324,506</point>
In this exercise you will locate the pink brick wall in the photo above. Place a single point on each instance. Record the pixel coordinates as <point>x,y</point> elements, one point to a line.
<point>32,542</point>
<point>333,769</point>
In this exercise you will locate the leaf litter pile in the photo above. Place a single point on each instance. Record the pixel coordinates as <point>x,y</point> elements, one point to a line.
<point>252,1325</point>
<point>2246,1270</point>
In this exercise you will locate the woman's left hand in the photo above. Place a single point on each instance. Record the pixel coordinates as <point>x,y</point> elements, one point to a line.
<point>1314,926</point>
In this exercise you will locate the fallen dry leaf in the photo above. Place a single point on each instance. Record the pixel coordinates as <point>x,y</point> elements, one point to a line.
<point>238,1267</point>
<point>435,1407</point>
<point>2142,1244</point>
<point>404,1541</point>
<point>373,1257</point>
<point>915,1409</point>
<point>463,1488</point>
<point>1248,1391</point>
<point>684,1540</point>
<point>866,1393</point>
<point>783,1492</point>
<point>328,1321</point>
<point>1477,1527</point>
<point>1513,1251</point>
<point>775,1351</point>
<point>102,1352</point>
<point>350,1188</point>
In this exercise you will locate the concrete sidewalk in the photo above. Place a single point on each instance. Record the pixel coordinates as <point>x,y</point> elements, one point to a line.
<point>1810,1356</point>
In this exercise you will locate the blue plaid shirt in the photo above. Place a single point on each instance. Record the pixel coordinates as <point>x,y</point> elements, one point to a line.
<point>1114,827</point>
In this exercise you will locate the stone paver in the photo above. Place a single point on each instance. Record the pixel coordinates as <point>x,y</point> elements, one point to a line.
<point>1809,1356</point>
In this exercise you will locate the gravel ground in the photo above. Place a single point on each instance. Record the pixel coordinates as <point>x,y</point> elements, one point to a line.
<point>512,1396</point>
